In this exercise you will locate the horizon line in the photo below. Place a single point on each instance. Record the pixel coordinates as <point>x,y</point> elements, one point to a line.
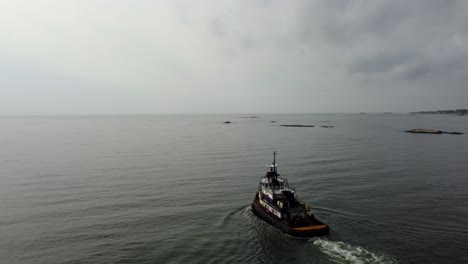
<point>232,113</point>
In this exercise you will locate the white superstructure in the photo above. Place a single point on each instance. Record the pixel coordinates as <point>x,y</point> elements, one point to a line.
<point>277,197</point>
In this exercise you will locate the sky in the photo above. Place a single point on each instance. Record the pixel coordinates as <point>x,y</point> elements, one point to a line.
<point>239,56</point>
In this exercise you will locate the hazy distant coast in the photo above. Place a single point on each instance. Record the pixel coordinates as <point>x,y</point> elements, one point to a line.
<point>444,112</point>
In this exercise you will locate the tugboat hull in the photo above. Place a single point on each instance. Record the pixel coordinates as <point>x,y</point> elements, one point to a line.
<point>316,228</point>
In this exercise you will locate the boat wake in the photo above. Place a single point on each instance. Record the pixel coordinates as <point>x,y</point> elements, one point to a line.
<point>341,252</point>
<point>227,218</point>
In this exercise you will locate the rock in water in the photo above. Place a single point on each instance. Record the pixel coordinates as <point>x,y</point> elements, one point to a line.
<point>431,131</point>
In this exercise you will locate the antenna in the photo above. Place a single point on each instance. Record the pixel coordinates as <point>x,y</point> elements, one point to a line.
<point>274,160</point>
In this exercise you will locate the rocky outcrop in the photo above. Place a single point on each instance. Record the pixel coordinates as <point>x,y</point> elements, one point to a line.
<point>294,125</point>
<point>431,131</point>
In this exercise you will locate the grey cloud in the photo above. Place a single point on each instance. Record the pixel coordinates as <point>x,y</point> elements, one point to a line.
<point>345,22</point>
<point>160,52</point>
<point>404,39</point>
<point>379,63</point>
<point>415,72</point>
<point>218,27</point>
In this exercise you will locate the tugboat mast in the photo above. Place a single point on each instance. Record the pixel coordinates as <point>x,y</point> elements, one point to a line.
<point>274,160</point>
<point>272,170</point>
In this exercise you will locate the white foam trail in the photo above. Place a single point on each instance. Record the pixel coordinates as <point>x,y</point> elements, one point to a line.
<point>345,253</point>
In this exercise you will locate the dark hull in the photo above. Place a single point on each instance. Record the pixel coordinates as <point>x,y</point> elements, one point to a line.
<point>316,228</point>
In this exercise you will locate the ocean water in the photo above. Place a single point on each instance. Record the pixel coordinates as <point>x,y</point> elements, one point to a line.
<point>177,188</point>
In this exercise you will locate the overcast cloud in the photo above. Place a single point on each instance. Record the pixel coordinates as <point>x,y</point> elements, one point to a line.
<point>115,56</point>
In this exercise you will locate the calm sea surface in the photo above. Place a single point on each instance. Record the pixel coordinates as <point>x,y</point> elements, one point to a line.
<point>177,188</point>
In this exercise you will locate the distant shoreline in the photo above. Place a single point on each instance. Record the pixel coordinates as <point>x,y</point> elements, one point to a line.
<point>444,112</point>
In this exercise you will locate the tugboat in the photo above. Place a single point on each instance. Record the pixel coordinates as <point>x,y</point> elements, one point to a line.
<point>276,203</point>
